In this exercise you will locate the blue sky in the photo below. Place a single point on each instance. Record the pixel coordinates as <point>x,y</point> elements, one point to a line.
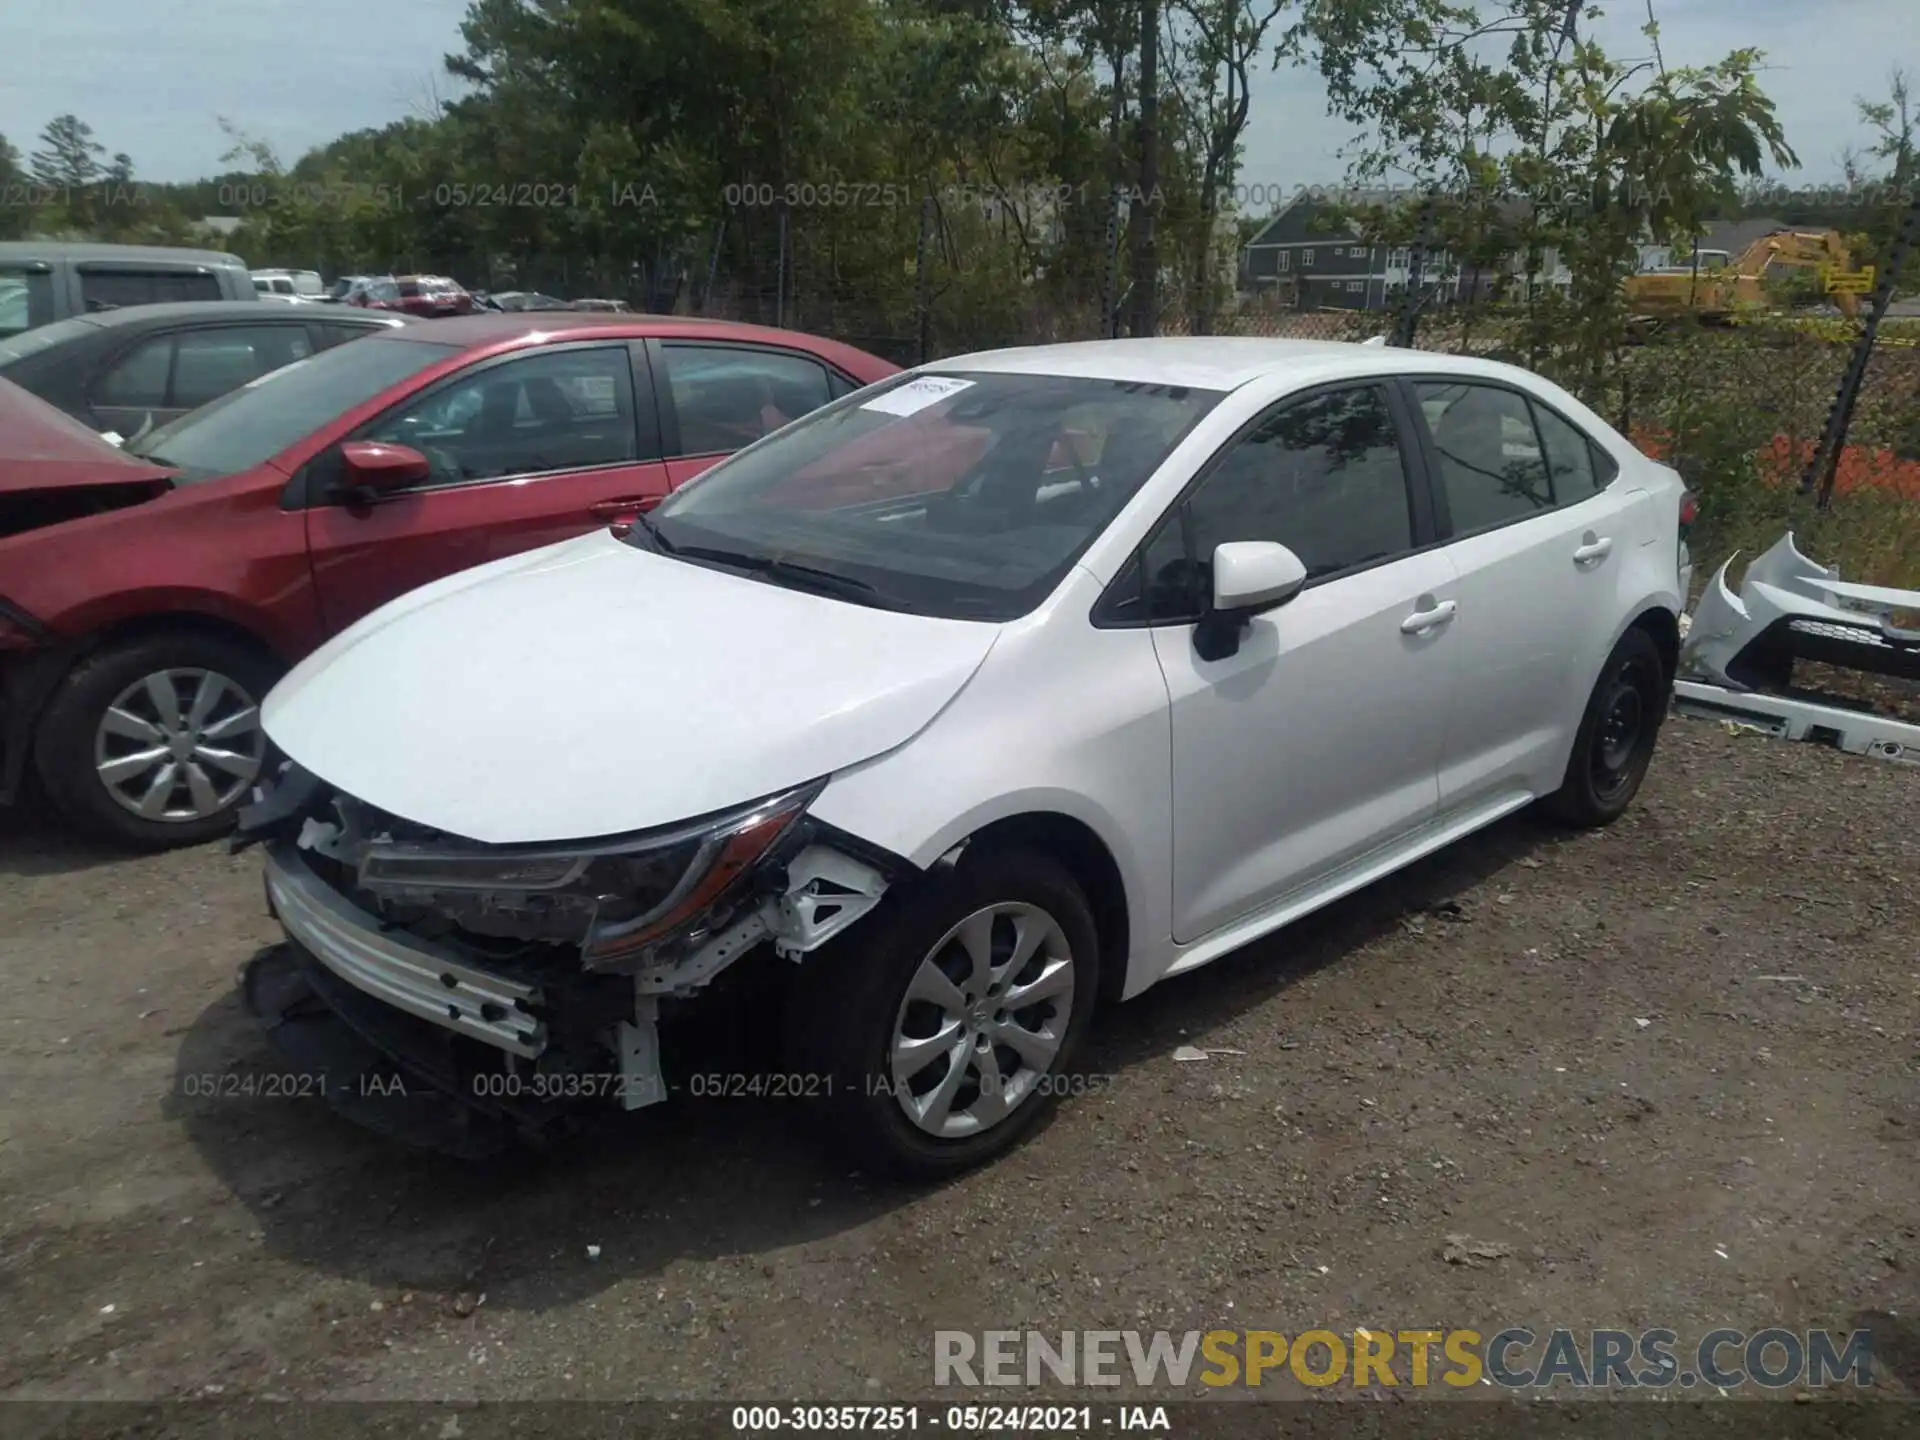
<point>153,76</point>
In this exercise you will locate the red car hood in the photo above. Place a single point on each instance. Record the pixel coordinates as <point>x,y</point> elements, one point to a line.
<point>42,448</point>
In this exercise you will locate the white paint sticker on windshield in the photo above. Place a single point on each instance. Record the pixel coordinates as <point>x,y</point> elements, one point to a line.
<point>916,395</point>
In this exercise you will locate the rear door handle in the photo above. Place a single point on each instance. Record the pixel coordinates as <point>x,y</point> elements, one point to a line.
<point>1421,621</point>
<point>1592,547</point>
<point>625,508</point>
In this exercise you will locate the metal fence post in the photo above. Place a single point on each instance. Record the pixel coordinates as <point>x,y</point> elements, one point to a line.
<point>713,267</point>
<point>780,269</point>
<point>1110,279</point>
<point>1823,469</point>
<point>921,308</point>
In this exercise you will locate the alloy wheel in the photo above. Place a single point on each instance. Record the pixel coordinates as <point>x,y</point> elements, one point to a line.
<point>983,1020</point>
<point>179,745</point>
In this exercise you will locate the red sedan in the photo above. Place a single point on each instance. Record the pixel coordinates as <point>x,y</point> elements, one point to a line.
<point>427,296</point>
<point>150,597</point>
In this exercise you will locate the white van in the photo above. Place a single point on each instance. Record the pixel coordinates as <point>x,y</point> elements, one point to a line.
<point>302,283</point>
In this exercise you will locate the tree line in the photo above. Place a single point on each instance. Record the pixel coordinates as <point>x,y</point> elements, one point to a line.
<point>980,157</point>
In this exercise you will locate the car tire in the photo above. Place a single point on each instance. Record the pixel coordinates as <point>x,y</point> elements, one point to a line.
<point>74,740</point>
<point>855,1004</point>
<point>1618,730</point>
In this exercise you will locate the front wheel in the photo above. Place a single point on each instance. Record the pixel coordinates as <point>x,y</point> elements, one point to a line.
<point>156,742</point>
<point>1614,744</point>
<point>944,1028</point>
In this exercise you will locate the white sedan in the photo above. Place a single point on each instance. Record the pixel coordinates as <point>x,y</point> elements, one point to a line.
<point>1010,684</point>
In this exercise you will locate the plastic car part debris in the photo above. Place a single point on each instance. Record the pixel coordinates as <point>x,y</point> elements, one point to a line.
<point>1790,608</point>
<point>1737,657</point>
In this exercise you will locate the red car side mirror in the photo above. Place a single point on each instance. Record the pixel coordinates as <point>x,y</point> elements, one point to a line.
<point>376,466</point>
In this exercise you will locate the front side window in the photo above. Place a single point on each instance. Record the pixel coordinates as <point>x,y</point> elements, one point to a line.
<point>208,363</point>
<point>139,377</point>
<point>1491,467</point>
<point>563,410</point>
<point>960,495</point>
<point>726,397</point>
<point>1324,476</point>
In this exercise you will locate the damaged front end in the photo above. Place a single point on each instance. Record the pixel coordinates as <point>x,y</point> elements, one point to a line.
<point>499,988</point>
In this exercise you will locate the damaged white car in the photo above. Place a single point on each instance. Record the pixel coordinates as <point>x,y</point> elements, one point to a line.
<point>999,688</point>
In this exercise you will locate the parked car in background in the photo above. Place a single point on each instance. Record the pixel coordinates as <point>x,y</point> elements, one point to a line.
<point>426,296</point>
<point>42,281</point>
<point>343,286</point>
<point>528,300</point>
<point>303,284</point>
<point>126,370</point>
<point>149,598</point>
<point>1106,660</point>
<point>617,307</point>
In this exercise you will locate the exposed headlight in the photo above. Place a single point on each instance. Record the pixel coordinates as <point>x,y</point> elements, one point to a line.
<point>616,900</point>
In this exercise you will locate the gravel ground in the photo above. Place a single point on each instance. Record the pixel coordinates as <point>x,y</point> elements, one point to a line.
<point>1668,1070</point>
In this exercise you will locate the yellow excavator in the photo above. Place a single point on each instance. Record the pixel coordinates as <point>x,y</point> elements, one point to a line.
<point>1715,288</point>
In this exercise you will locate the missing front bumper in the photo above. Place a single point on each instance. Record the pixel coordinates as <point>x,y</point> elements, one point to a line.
<point>415,976</point>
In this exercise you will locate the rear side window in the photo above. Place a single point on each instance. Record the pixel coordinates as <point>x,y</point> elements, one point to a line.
<point>1571,458</point>
<point>334,332</point>
<point>110,289</point>
<point>729,396</point>
<point>1491,466</point>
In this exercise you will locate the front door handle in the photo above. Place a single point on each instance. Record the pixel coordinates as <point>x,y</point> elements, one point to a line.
<point>1421,621</point>
<point>625,508</point>
<point>1592,548</point>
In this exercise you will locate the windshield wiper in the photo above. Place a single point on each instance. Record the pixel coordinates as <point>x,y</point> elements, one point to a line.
<point>665,546</point>
<point>795,575</point>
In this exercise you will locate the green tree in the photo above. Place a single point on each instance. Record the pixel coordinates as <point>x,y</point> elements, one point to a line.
<point>16,217</point>
<point>1533,135</point>
<point>1893,123</point>
<point>69,156</point>
<point>68,164</point>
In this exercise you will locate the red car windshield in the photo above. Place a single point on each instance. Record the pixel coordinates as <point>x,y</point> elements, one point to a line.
<point>265,416</point>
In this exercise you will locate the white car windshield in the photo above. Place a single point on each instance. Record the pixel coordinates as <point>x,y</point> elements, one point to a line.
<point>966,495</point>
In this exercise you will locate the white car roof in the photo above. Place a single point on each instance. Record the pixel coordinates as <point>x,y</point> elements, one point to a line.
<point>1216,362</point>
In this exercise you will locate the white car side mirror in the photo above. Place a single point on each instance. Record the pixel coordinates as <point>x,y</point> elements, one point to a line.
<point>1254,575</point>
<point>1248,576</point>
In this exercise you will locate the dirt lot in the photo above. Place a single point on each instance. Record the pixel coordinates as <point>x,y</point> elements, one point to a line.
<point>1672,1065</point>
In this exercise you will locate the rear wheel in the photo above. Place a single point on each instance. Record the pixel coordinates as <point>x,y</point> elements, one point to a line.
<point>944,1027</point>
<point>1617,733</point>
<point>156,742</point>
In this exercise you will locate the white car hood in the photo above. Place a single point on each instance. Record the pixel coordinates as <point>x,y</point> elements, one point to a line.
<point>591,688</point>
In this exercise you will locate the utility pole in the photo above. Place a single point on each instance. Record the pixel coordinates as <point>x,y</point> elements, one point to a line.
<point>1823,468</point>
<point>1146,259</point>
